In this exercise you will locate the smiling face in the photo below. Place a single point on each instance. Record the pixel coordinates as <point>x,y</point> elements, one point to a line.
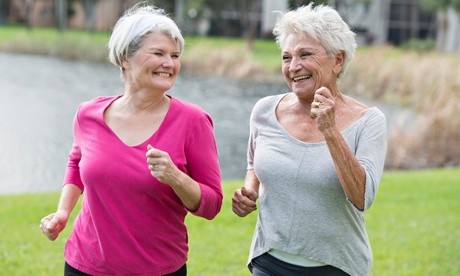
<point>306,66</point>
<point>155,65</point>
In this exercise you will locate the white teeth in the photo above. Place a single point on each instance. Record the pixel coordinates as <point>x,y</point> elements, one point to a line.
<point>163,74</point>
<point>302,78</point>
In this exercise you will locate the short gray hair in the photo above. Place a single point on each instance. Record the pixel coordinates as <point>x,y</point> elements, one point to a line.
<point>130,30</point>
<point>321,23</point>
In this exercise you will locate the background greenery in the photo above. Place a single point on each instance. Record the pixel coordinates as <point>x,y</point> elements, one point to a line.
<point>413,226</point>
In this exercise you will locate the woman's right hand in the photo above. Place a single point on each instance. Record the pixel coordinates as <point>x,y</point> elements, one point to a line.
<point>53,224</point>
<point>244,201</point>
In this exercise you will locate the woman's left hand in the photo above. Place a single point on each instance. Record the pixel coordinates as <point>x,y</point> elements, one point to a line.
<point>322,108</point>
<point>160,165</point>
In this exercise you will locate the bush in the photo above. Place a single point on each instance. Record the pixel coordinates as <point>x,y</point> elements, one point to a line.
<point>420,45</point>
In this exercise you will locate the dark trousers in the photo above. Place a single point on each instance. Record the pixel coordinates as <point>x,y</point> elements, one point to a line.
<point>70,271</point>
<point>267,265</point>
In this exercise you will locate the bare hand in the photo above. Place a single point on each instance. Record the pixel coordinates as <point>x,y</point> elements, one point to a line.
<point>53,224</point>
<point>323,108</point>
<point>244,201</point>
<point>161,166</point>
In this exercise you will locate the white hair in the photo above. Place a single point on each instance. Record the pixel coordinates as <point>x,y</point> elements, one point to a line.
<point>321,23</point>
<point>130,30</point>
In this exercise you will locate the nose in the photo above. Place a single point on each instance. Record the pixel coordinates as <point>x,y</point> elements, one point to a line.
<point>168,61</point>
<point>295,64</point>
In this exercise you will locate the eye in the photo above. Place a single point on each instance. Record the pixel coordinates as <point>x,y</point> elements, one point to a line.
<point>175,56</point>
<point>286,57</point>
<point>305,54</point>
<point>158,54</point>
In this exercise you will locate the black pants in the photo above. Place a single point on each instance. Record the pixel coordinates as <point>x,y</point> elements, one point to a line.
<point>70,271</point>
<point>267,265</point>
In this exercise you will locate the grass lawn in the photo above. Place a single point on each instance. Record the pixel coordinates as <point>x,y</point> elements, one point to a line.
<point>414,225</point>
<point>414,228</point>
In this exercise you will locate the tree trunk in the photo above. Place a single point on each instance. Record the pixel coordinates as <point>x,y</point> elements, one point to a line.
<point>90,22</point>
<point>4,10</point>
<point>453,31</point>
<point>61,14</point>
<point>251,13</point>
<point>447,35</point>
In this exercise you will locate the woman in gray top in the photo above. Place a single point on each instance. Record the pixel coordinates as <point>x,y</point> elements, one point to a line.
<point>315,157</point>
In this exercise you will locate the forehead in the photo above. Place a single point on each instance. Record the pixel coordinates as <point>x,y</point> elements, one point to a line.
<point>295,42</point>
<point>159,39</point>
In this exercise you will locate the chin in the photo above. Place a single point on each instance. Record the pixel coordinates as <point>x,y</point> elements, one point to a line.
<point>303,92</point>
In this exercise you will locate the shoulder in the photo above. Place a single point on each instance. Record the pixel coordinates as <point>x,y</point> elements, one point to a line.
<point>101,101</point>
<point>187,107</point>
<point>187,110</point>
<point>376,115</point>
<point>355,110</point>
<point>94,108</point>
<point>374,121</point>
<point>270,99</point>
<point>268,102</point>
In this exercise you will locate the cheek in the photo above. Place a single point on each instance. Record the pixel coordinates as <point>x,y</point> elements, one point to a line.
<point>318,62</point>
<point>286,74</point>
<point>177,65</point>
<point>285,69</point>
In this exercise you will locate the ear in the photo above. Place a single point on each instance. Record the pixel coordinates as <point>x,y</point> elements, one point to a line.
<point>339,61</point>
<point>124,63</point>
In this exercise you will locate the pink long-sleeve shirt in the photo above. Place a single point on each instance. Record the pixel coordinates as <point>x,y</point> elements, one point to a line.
<point>130,223</point>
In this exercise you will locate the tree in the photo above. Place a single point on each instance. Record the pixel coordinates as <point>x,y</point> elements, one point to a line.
<point>250,17</point>
<point>90,21</point>
<point>447,39</point>
<point>29,6</point>
<point>4,8</point>
<point>61,14</point>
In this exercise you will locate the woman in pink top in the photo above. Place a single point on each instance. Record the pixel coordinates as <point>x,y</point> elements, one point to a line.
<point>142,160</point>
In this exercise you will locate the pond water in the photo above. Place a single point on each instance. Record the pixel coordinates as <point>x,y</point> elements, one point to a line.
<point>39,97</point>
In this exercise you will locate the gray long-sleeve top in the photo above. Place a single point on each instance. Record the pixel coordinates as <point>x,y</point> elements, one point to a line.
<point>303,209</point>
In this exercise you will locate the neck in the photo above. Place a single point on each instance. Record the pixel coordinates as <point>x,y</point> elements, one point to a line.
<point>304,108</point>
<point>138,103</point>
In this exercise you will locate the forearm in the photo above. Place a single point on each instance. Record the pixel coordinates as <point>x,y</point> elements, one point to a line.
<point>69,198</point>
<point>350,172</point>
<point>251,181</point>
<point>188,190</point>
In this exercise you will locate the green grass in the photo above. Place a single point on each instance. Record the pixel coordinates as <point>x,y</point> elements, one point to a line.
<point>264,52</point>
<point>414,225</point>
<point>78,44</point>
<point>71,44</point>
<point>414,228</point>
<point>8,33</point>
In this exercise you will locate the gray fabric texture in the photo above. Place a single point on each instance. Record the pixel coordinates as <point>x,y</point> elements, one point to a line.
<point>303,209</point>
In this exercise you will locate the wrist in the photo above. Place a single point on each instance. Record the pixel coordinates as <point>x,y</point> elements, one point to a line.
<point>62,213</point>
<point>328,131</point>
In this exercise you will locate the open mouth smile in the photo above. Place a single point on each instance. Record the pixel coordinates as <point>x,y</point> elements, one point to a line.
<point>300,78</point>
<point>163,74</point>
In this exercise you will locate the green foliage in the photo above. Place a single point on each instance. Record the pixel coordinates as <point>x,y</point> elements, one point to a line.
<point>420,45</point>
<point>433,5</point>
<point>297,3</point>
<point>413,227</point>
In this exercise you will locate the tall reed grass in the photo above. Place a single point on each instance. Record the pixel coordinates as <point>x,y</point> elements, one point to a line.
<point>428,84</point>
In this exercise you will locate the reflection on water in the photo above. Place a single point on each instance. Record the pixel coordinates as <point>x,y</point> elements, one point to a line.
<point>39,97</point>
